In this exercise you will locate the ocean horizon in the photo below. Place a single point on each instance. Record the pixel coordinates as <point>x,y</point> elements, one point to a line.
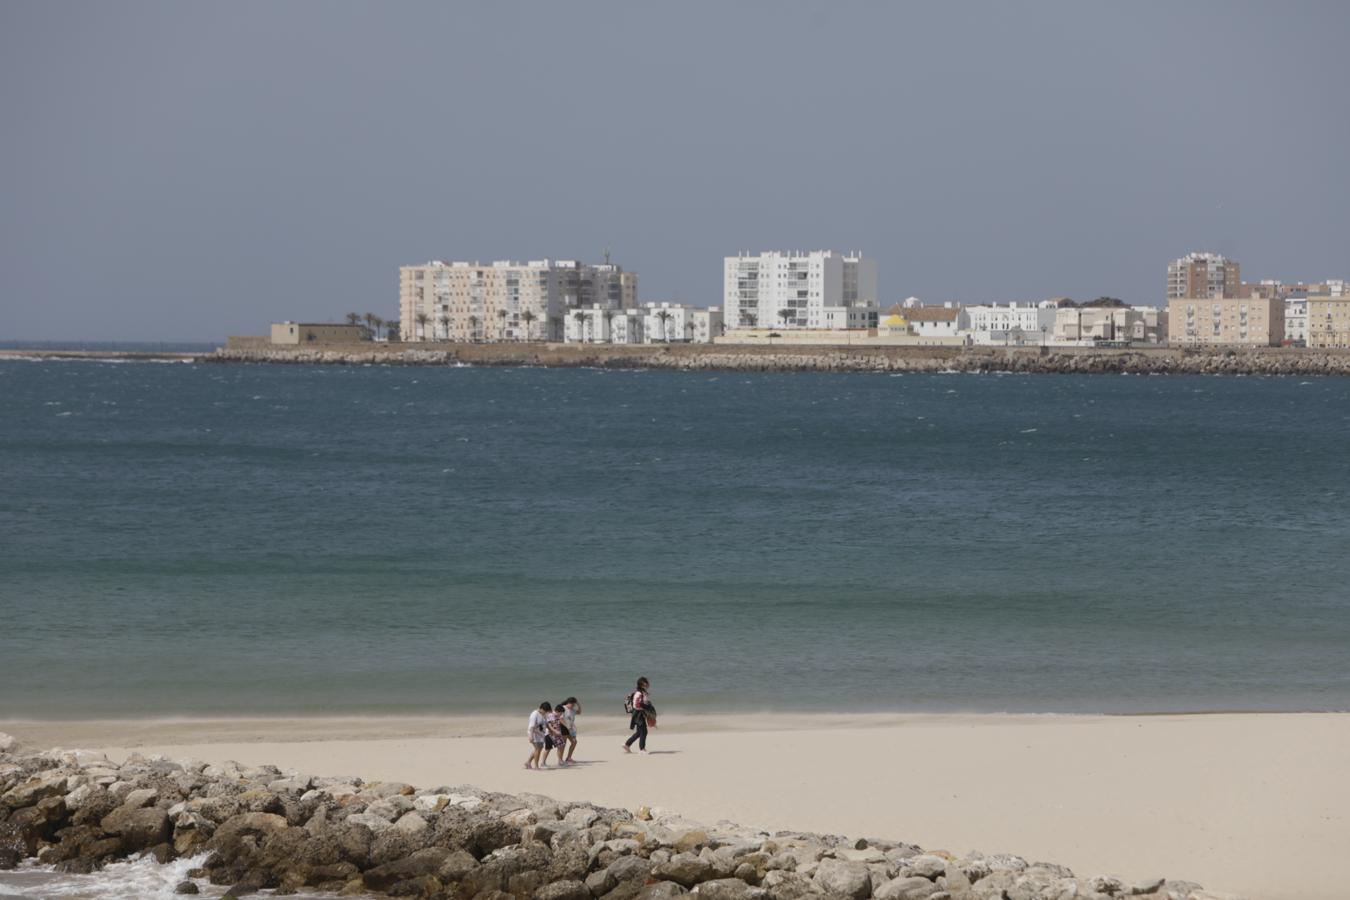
<point>251,540</point>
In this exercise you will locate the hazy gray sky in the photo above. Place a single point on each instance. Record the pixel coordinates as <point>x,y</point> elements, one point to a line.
<point>191,170</point>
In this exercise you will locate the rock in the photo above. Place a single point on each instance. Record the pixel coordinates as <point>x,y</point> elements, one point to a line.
<point>38,788</point>
<point>374,823</point>
<point>926,865</point>
<point>564,890</point>
<point>661,890</point>
<point>296,784</point>
<point>911,887</point>
<point>8,742</point>
<point>386,789</point>
<point>243,824</point>
<point>630,868</point>
<point>1147,886</point>
<point>730,889</point>
<point>862,855</point>
<point>847,879</point>
<point>1106,884</point>
<point>139,829</point>
<point>431,803</point>
<point>140,798</point>
<point>684,869</point>
<point>644,813</point>
<point>413,824</point>
<point>422,863</point>
<point>582,817</point>
<point>691,841</point>
<point>186,887</point>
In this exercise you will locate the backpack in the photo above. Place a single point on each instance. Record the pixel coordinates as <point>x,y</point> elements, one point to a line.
<point>628,703</point>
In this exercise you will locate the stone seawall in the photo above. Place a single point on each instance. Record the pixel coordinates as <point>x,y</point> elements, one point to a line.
<point>1150,361</point>
<point>259,828</point>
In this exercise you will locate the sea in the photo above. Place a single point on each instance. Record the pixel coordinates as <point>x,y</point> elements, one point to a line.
<point>181,539</point>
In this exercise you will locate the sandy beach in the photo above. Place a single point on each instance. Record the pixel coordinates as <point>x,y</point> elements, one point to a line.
<point>1255,804</point>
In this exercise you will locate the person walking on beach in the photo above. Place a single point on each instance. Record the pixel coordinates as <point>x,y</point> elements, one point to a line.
<point>643,713</point>
<point>537,732</point>
<point>557,734</point>
<point>571,709</point>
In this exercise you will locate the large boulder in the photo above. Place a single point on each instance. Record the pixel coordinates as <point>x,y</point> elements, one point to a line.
<point>564,890</point>
<point>138,828</point>
<point>847,879</point>
<point>256,824</point>
<point>730,889</point>
<point>661,890</point>
<point>40,787</point>
<point>909,887</point>
<point>684,869</point>
<point>427,861</point>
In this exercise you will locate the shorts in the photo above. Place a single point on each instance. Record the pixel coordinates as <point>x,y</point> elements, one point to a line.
<point>548,743</point>
<point>537,743</point>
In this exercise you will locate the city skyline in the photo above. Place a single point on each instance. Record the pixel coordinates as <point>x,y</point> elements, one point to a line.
<point>158,189</point>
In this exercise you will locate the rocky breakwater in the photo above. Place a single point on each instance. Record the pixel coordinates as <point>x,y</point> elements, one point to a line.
<point>725,357</point>
<point>258,828</point>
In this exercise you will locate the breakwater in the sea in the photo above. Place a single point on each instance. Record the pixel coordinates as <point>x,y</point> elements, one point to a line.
<point>1144,361</point>
<point>259,828</point>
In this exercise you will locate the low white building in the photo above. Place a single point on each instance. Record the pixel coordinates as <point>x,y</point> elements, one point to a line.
<point>1296,321</point>
<point>648,324</point>
<point>1016,324</point>
<point>1090,325</point>
<point>680,322</point>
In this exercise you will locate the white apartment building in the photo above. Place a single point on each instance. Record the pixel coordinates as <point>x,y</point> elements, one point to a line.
<point>505,300</point>
<point>1296,321</point>
<point>791,289</point>
<point>1016,324</point>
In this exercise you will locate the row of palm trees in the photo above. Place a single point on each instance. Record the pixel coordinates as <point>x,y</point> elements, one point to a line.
<point>375,326</point>
<point>663,315</point>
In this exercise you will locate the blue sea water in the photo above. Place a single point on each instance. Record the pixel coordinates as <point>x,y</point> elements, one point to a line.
<point>215,539</point>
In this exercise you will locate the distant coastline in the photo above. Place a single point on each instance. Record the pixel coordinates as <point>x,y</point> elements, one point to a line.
<point>717,357</point>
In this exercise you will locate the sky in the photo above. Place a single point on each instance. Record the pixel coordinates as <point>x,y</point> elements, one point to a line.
<point>186,171</point>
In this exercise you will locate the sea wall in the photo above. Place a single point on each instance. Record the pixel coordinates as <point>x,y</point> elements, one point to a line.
<point>1260,361</point>
<point>259,828</point>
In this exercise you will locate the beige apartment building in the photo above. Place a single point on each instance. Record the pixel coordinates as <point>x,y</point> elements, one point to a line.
<point>1203,275</point>
<point>1329,321</point>
<point>504,300</point>
<point>1225,322</point>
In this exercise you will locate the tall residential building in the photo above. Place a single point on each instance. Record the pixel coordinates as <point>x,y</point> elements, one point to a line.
<point>815,289</point>
<point>1203,276</point>
<point>1225,322</point>
<point>505,301</point>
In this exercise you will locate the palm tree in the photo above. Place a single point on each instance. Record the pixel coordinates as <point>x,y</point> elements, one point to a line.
<point>528,318</point>
<point>473,328</point>
<point>665,317</point>
<point>377,324</point>
<point>609,330</point>
<point>353,318</point>
<point>444,324</point>
<point>370,324</point>
<point>392,331</point>
<point>501,332</point>
<point>785,315</point>
<point>422,319</point>
<point>580,318</point>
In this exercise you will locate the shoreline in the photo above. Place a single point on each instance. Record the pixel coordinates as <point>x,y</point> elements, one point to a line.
<point>1214,797</point>
<point>139,731</point>
<point>1256,361</point>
